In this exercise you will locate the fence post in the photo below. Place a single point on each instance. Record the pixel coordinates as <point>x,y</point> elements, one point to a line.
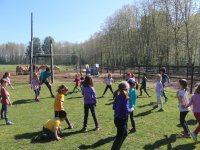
<point>192,78</point>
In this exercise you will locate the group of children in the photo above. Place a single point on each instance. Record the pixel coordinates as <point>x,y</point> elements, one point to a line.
<point>125,98</point>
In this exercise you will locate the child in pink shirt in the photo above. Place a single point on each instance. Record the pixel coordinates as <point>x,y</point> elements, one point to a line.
<point>35,85</point>
<point>195,101</point>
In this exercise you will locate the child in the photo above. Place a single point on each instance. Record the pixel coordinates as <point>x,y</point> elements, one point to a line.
<point>77,82</point>
<point>165,78</point>
<point>90,101</point>
<point>109,80</point>
<point>5,101</point>
<point>52,128</point>
<point>182,96</point>
<point>143,85</point>
<point>132,101</point>
<point>159,91</point>
<point>59,103</point>
<point>44,78</point>
<point>35,84</point>
<point>6,76</point>
<point>195,101</point>
<point>121,111</point>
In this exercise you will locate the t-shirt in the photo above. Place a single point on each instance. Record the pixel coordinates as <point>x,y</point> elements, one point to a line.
<point>109,81</point>
<point>8,80</point>
<point>52,123</point>
<point>59,100</point>
<point>195,102</point>
<point>159,88</point>
<point>44,76</point>
<point>77,81</point>
<point>183,94</point>
<point>4,95</point>
<point>133,96</point>
<point>35,83</point>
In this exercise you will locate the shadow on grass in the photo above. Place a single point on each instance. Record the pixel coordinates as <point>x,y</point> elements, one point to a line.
<point>109,103</point>
<point>185,146</point>
<point>141,106</point>
<point>71,133</point>
<point>29,135</point>
<point>23,101</point>
<point>189,122</point>
<point>165,141</point>
<point>144,113</point>
<point>97,144</point>
<point>75,97</point>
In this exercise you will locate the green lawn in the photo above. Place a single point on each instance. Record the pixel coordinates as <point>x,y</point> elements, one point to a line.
<point>155,130</point>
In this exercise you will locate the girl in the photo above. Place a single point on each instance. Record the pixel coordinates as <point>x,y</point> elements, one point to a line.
<point>165,78</point>
<point>109,80</point>
<point>59,103</point>
<point>182,96</point>
<point>77,82</point>
<point>90,101</point>
<point>35,85</point>
<point>6,76</point>
<point>121,111</point>
<point>195,101</point>
<point>5,101</point>
<point>132,101</point>
<point>159,91</point>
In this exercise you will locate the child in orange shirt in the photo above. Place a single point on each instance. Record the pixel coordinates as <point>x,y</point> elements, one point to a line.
<point>59,103</point>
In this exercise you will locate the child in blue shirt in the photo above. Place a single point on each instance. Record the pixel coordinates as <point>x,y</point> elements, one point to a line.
<point>121,111</point>
<point>132,101</point>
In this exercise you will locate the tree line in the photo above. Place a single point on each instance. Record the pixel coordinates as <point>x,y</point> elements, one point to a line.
<point>152,32</point>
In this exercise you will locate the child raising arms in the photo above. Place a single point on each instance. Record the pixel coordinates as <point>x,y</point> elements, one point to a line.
<point>59,103</point>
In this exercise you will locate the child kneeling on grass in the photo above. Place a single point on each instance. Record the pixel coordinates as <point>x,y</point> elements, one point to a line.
<point>52,128</point>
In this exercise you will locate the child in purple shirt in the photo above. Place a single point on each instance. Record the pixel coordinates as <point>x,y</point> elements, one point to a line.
<point>35,84</point>
<point>89,95</point>
<point>121,112</point>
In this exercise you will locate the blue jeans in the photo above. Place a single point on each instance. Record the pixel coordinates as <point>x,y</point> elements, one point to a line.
<point>48,134</point>
<point>4,112</point>
<point>93,111</point>
<point>121,125</point>
<point>37,92</point>
<point>132,120</point>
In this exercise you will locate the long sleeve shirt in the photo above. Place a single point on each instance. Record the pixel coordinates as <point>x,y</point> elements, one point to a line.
<point>89,95</point>
<point>120,106</point>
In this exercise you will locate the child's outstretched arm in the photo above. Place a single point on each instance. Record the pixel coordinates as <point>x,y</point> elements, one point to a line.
<point>11,86</point>
<point>55,131</point>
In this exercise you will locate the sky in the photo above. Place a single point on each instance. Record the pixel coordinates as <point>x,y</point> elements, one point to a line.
<point>64,20</point>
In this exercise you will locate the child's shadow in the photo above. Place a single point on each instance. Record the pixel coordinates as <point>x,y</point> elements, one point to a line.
<point>141,106</point>
<point>23,101</point>
<point>189,122</point>
<point>97,144</point>
<point>144,113</point>
<point>166,141</point>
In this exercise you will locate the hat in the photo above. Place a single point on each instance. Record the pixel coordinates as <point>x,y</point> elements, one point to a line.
<point>131,81</point>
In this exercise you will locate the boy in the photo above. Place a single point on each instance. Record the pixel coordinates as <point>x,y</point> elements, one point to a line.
<point>44,76</point>
<point>52,127</point>
<point>165,78</point>
<point>144,85</point>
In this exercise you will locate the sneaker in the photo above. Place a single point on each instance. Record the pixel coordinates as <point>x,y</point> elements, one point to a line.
<point>194,136</point>
<point>52,96</point>
<point>149,96</point>
<point>9,123</point>
<point>71,126</point>
<point>97,128</point>
<point>161,110</point>
<point>84,129</point>
<point>132,130</point>
<point>186,135</point>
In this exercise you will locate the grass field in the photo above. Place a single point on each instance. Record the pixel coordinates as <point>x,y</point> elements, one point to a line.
<point>155,130</point>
